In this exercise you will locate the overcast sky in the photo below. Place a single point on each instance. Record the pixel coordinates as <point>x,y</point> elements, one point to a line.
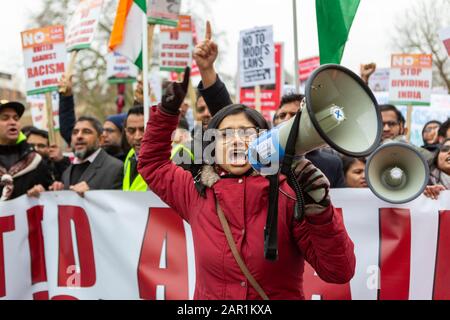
<point>369,37</point>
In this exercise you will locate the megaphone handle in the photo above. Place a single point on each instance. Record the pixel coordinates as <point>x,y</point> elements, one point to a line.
<point>271,229</point>
<point>300,204</point>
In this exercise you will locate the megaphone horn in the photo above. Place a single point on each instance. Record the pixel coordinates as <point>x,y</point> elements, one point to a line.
<point>397,173</point>
<point>340,111</point>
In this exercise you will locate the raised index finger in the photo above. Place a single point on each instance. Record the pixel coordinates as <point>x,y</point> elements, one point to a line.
<point>208,34</point>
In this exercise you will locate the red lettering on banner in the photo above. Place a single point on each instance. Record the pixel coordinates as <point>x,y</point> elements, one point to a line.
<point>7,224</point>
<point>395,254</point>
<point>45,70</point>
<point>313,285</point>
<point>441,289</point>
<point>42,295</point>
<point>36,243</point>
<point>67,271</point>
<point>164,224</point>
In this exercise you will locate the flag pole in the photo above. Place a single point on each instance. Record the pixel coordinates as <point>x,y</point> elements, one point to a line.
<point>145,69</point>
<point>296,76</point>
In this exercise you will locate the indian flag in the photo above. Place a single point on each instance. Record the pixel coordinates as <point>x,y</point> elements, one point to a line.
<point>126,36</point>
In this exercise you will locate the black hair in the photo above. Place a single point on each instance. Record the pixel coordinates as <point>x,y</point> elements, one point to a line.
<point>444,128</point>
<point>37,132</point>
<point>289,98</point>
<point>347,162</point>
<point>94,122</point>
<point>390,107</point>
<point>252,115</point>
<point>136,110</point>
<point>26,130</point>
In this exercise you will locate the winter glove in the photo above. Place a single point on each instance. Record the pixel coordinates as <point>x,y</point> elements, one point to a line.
<point>175,94</point>
<point>315,187</point>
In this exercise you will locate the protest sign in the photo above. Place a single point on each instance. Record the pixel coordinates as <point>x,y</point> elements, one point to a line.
<point>120,69</point>
<point>411,78</point>
<point>83,25</point>
<point>176,46</point>
<point>164,12</point>
<point>257,57</point>
<point>44,53</point>
<point>37,104</point>
<point>379,80</point>
<point>307,66</point>
<point>116,245</point>
<point>270,95</point>
<point>444,35</point>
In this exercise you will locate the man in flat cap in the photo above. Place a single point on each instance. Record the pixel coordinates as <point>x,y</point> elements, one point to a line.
<point>22,170</point>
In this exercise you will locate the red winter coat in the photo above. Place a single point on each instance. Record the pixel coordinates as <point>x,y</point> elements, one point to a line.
<point>322,240</point>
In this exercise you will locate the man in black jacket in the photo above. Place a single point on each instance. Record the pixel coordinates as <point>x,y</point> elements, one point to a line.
<point>22,170</point>
<point>93,168</point>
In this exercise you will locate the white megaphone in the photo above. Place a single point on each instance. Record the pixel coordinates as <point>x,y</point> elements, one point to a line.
<point>397,173</point>
<point>340,111</point>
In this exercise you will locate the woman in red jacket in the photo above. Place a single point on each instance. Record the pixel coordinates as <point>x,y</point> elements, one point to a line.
<point>242,194</point>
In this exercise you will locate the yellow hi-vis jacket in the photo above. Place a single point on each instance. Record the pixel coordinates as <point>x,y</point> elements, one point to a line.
<point>138,184</point>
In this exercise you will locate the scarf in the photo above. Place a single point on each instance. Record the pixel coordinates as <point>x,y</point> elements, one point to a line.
<point>29,163</point>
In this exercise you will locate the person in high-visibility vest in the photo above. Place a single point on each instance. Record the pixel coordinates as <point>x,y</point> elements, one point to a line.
<point>134,130</point>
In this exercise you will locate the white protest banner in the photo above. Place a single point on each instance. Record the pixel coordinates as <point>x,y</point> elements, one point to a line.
<point>39,113</point>
<point>45,55</point>
<point>176,46</point>
<point>82,26</point>
<point>444,35</point>
<point>114,245</point>
<point>411,79</point>
<point>119,69</point>
<point>164,12</point>
<point>379,80</point>
<point>257,57</point>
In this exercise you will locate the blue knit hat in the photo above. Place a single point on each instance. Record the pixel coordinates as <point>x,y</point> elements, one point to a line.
<point>118,120</point>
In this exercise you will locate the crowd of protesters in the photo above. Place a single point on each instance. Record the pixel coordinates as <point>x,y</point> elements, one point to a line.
<point>167,156</point>
<point>106,156</point>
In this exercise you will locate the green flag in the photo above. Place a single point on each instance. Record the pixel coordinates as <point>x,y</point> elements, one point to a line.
<point>334,20</point>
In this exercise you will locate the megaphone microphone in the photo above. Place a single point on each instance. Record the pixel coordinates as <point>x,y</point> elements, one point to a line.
<point>339,111</point>
<point>397,173</point>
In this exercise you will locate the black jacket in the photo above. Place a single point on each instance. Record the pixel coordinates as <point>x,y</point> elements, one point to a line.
<point>9,155</point>
<point>216,96</point>
<point>105,173</point>
<point>66,117</point>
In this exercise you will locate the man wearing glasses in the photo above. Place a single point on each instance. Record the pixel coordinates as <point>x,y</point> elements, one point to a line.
<point>394,128</point>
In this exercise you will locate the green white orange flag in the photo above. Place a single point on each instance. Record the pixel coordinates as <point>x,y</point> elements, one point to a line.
<point>127,33</point>
<point>334,20</point>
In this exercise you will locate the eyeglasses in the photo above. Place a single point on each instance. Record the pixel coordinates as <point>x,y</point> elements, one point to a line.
<point>430,129</point>
<point>227,135</point>
<point>132,131</point>
<point>390,124</point>
<point>445,148</point>
<point>283,115</point>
